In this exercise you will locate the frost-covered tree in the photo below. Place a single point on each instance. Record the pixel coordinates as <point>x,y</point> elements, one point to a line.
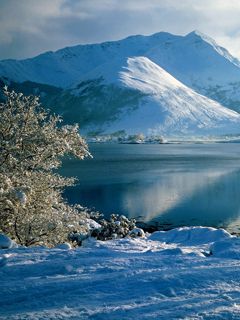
<point>32,144</point>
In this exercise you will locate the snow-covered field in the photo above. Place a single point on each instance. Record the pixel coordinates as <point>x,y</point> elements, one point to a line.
<point>186,273</point>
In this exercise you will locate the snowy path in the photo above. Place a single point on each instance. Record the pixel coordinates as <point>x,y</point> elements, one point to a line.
<point>167,277</point>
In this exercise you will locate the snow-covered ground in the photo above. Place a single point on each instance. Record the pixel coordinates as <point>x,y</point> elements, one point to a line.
<point>187,273</point>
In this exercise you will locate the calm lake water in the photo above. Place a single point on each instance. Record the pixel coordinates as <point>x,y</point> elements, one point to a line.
<point>170,185</point>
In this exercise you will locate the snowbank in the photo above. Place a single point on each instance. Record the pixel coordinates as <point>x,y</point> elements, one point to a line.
<point>191,235</point>
<point>186,273</point>
<point>229,248</point>
<point>64,246</point>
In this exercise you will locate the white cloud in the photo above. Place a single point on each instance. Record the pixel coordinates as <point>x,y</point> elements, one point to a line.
<point>28,27</point>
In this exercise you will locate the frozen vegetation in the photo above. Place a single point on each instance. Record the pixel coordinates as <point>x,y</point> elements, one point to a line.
<point>185,273</point>
<point>32,145</point>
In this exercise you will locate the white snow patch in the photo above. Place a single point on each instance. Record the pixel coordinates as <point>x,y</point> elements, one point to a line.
<point>92,224</point>
<point>228,248</point>
<point>191,235</point>
<point>64,246</point>
<point>165,275</point>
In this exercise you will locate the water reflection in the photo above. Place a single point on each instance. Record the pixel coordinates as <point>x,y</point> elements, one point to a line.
<point>215,202</point>
<point>178,185</point>
<point>165,193</point>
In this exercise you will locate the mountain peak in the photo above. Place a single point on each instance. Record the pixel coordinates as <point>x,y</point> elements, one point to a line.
<point>196,34</point>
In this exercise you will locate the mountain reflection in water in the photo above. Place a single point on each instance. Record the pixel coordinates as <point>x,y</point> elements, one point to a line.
<point>191,184</point>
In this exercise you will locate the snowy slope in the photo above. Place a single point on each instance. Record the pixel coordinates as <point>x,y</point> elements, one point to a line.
<point>166,106</point>
<point>186,273</point>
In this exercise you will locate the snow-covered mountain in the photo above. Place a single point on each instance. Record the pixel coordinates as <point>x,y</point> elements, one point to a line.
<point>194,59</point>
<point>165,106</point>
<point>66,66</point>
<point>126,84</point>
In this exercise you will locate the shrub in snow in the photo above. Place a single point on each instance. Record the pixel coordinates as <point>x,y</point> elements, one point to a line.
<point>78,237</point>
<point>116,227</point>
<point>90,225</point>
<point>32,144</point>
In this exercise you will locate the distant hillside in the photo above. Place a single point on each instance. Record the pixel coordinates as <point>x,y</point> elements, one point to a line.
<point>126,84</point>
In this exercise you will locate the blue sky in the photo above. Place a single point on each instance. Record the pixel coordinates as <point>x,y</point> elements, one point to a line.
<point>30,27</point>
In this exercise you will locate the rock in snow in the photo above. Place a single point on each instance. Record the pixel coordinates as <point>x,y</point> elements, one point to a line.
<point>5,242</point>
<point>186,273</point>
<point>136,232</point>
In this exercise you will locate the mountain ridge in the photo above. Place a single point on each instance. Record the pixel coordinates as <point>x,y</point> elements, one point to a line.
<point>74,62</point>
<point>91,84</point>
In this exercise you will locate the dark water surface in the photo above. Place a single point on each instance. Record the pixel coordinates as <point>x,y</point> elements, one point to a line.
<point>171,185</point>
